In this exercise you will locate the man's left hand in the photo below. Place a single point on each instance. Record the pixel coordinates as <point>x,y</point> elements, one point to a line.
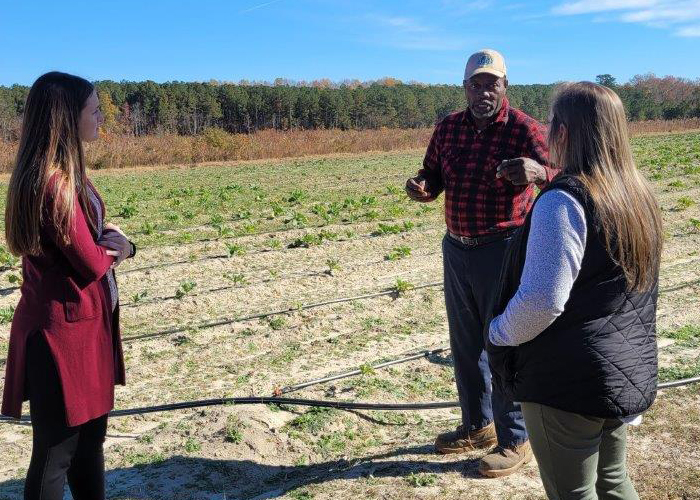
<point>521,171</point>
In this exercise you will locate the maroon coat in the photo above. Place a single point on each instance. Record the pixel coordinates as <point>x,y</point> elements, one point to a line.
<point>64,298</point>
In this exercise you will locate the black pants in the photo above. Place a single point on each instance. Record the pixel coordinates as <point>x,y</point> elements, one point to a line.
<point>59,451</point>
<point>470,277</point>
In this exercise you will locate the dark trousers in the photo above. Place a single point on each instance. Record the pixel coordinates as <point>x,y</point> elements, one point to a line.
<point>471,275</point>
<point>59,451</point>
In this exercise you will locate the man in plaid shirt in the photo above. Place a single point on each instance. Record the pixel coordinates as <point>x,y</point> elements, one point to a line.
<point>486,159</point>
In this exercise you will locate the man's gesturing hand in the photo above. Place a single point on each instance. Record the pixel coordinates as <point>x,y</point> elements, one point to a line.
<point>521,171</point>
<point>415,189</point>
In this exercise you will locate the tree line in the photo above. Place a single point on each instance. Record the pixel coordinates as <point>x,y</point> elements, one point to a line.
<point>142,108</point>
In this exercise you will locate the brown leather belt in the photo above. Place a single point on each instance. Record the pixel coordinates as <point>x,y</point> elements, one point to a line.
<point>481,240</point>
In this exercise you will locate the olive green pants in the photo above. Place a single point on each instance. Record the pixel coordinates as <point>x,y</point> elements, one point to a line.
<point>580,458</point>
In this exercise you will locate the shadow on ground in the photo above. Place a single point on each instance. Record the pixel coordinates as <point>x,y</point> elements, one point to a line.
<point>182,477</point>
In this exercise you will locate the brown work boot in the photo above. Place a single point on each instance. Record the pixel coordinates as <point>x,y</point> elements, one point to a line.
<point>461,440</point>
<point>503,461</point>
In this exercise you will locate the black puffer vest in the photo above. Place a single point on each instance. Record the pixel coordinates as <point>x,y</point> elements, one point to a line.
<point>599,357</point>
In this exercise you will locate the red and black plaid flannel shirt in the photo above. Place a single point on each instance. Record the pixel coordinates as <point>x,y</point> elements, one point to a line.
<point>462,161</point>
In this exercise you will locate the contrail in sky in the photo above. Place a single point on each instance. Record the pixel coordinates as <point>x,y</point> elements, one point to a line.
<point>260,6</point>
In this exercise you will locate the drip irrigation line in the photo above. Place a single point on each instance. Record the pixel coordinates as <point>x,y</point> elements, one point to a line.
<point>352,373</point>
<point>373,234</point>
<point>678,383</point>
<point>227,321</point>
<point>227,256</point>
<point>680,286</point>
<point>308,274</point>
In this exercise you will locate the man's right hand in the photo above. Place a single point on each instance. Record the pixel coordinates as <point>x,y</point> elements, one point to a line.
<point>415,189</point>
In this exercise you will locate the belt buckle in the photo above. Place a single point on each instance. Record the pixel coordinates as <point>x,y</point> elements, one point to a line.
<point>467,241</point>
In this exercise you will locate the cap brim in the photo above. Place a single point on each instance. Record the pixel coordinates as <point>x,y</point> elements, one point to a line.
<point>495,72</point>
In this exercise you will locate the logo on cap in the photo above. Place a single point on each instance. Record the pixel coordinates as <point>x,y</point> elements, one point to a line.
<point>484,60</point>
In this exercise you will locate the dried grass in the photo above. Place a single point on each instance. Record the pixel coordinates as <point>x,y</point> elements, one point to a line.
<point>116,151</point>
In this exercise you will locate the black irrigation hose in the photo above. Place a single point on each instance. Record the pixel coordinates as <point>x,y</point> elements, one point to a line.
<point>342,405</point>
<point>228,321</point>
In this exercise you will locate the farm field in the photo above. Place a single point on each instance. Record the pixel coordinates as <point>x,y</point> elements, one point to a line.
<point>233,293</point>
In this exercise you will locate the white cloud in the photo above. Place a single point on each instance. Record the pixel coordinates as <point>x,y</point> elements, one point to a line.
<point>259,6</point>
<point>409,33</point>
<point>689,31</point>
<point>590,6</point>
<point>670,14</point>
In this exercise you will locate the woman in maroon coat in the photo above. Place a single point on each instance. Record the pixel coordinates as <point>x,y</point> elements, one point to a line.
<point>65,350</point>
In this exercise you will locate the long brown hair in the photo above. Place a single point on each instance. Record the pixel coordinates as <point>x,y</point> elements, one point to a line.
<point>49,144</point>
<point>596,149</point>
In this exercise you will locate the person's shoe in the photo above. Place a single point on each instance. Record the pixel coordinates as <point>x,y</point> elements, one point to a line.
<point>461,440</point>
<point>505,460</point>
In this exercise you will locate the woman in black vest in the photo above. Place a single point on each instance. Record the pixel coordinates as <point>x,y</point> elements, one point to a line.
<point>573,336</point>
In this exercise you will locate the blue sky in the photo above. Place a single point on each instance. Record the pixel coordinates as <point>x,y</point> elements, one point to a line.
<point>423,40</point>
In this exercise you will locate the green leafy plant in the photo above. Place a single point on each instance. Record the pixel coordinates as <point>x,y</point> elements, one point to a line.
<point>139,296</point>
<point>222,231</point>
<point>401,287</point>
<point>274,243</point>
<point>248,228</point>
<point>233,433</point>
<point>684,202</point>
<point>296,196</point>
<point>276,322</point>
<point>235,249</point>
<point>421,479</point>
<point>127,211</point>
<point>297,220</point>
<point>192,445</point>
<point>184,289</point>
<point>185,237</point>
<point>148,227</point>
<point>7,259</point>
<point>277,209</point>
<point>6,314</point>
<point>313,421</point>
<point>398,253</point>
<point>237,278</point>
<point>14,279</point>
<point>216,220</point>
<point>300,494</point>
<point>393,228</point>
<point>333,266</point>
<point>368,200</point>
<point>366,369</point>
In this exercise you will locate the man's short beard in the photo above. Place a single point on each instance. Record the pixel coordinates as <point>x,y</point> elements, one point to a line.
<point>489,114</point>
